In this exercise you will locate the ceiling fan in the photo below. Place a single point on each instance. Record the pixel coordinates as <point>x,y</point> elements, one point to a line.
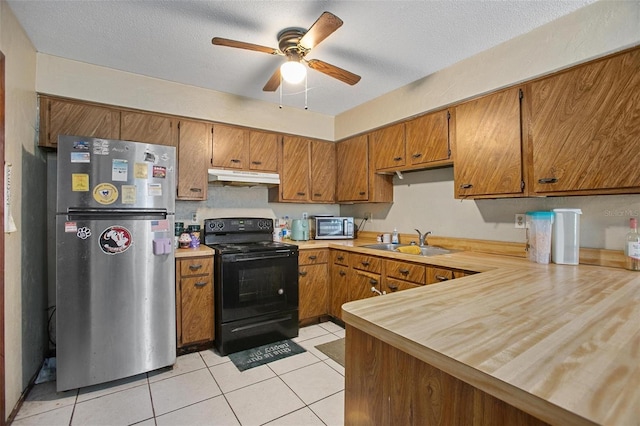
<point>295,44</point>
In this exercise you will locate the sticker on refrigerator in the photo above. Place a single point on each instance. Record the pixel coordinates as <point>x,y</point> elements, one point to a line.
<point>128,194</point>
<point>70,227</point>
<point>155,190</point>
<point>115,240</point>
<point>141,170</point>
<point>149,157</point>
<point>83,233</point>
<point>159,172</point>
<point>119,170</point>
<point>80,157</point>
<point>79,182</point>
<point>101,147</point>
<point>105,193</point>
<point>81,145</point>
<point>160,225</point>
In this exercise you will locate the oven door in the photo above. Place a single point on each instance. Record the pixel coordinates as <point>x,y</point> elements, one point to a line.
<point>253,284</point>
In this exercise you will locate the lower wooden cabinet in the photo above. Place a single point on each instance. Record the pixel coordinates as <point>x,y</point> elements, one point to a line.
<point>194,300</point>
<point>339,284</point>
<point>313,284</point>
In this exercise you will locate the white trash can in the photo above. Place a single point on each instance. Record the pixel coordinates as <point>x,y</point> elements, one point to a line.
<point>565,245</point>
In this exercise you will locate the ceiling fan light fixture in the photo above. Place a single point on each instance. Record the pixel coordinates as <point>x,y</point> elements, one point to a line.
<point>293,71</point>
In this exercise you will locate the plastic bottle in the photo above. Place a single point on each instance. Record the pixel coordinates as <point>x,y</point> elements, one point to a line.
<point>394,237</point>
<point>286,230</point>
<point>632,246</point>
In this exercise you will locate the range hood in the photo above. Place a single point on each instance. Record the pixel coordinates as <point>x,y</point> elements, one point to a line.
<point>241,177</point>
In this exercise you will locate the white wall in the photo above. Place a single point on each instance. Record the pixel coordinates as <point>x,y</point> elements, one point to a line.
<point>25,290</point>
<point>64,77</point>
<point>425,200</point>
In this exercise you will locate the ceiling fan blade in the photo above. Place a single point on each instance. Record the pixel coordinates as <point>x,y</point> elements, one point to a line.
<point>242,45</point>
<point>326,24</point>
<point>273,83</point>
<point>333,71</point>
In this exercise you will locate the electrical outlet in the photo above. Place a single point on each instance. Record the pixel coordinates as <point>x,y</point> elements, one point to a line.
<point>520,222</point>
<point>304,216</point>
<point>368,215</point>
<point>194,217</point>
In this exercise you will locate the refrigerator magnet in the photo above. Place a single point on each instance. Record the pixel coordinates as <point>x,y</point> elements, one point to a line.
<point>81,145</point>
<point>115,240</point>
<point>101,147</point>
<point>83,233</point>
<point>79,182</point>
<point>141,170</point>
<point>119,170</point>
<point>105,193</point>
<point>70,227</point>
<point>159,172</point>
<point>80,157</point>
<point>155,190</point>
<point>128,194</point>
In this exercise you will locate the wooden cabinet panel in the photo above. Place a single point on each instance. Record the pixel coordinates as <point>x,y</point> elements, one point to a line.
<point>263,152</point>
<point>352,169</point>
<point>361,283</point>
<point>340,257</point>
<point>487,149</point>
<point>323,172</point>
<point>428,138</point>
<point>585,127</point>
<point>392,285</point>
<point>230,147</point>
<point>389,147</point>
<point>405,271</point>
<point>193,159</point>
<point>194,300</point>
<point>312,257</point>
<point>339,288</point>
<point>438,275</point>
<point>294,179</point>
<point>148,128</point>
<point>366,263</point>
<point>313,290</point>
<point>59,117</point>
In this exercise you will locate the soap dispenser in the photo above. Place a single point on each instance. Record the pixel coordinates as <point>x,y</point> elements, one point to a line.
<point>394,237</point>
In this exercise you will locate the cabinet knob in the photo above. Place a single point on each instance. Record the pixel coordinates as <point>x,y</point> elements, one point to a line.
<point>302,273</point>
<point>235,160</point>
<point>312,257</point>
<point>340,257</point>
<point>442,278</point>
<point>397,158</point>
<point>365,263</point>
<point>302,194</point>
<point>418,155</point>
<point>195,267</point>
<point>548,180</point>
<point>195,189</point>
<point>392,287</point>
<point>342,273</point>
<point>403,271</point>
<point>466,186</point>
<point>200,284</point>
<point>257,163</point>
<point>362,193</point>
<point>373,281</point>
<point>317,194</point>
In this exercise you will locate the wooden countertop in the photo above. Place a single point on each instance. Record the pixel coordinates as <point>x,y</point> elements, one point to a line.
<point>560,342</point>
<point>202,250</point>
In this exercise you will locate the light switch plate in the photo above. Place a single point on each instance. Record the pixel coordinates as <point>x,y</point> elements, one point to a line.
<point>520,222</point>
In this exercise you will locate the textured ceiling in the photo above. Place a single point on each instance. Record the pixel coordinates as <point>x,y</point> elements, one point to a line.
<point>388,43</point>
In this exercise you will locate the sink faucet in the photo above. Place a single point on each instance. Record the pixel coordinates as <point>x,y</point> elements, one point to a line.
<point>422,238</point>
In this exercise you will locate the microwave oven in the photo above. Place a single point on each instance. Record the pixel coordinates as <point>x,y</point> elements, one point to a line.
<point>334,228</point>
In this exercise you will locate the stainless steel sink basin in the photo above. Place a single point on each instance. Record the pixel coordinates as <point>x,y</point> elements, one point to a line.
<point>424,251</point>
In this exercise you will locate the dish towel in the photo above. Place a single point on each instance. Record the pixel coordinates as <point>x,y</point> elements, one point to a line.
<point>409,249</point>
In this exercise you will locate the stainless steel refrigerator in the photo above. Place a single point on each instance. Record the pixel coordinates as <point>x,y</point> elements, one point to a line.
<point>115,267</point>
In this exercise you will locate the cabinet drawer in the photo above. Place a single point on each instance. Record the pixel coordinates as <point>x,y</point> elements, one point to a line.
<point>392,285</point>
<point>438,275</point>
<point>312,257</point>
<point>366,263</point>
<point>405,271</point>
<point>340,257</point>
<point>196,266</point>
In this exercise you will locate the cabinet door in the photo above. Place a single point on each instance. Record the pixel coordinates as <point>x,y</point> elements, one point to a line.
<point>339,291</point>
<point>148,128</point>
<point>313,287</point>
<point>585,127</point>
<point>323,172</point>
<point>352,169</point>
<point>405,271</point>
<point>193,159</point>
<point>428,138</point>
<point>294,180</point>
<point>389,147</point>
<point>392,285</point>
<point>361,284</point>
<point>197,309</point>
<point>487,150</point>
<point>230,147</point>
<point>438,275</point>
<point>58,117</point>
<point>263,152</point>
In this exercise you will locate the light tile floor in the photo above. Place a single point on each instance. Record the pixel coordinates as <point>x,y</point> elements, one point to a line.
<point>204,388</point>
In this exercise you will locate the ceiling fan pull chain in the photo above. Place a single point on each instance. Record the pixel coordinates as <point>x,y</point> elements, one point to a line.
<point>306,78</point>
<point>280,106</point>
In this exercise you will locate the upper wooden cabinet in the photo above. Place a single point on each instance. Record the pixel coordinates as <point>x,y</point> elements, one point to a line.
<point>307,171</point>
<point>62,117</point>
<point>323,172</point>
<point>148,128</point>
<point>389,147</point>
<point>355,174</point>
<point>487,147</point>
<point>230,147</point>
<point>263,151</point>
<point>427,139</point>
<point>584,132</point>
<point>193,159</point>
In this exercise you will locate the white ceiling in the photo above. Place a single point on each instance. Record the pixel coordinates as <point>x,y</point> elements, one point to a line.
<point>389,43</point>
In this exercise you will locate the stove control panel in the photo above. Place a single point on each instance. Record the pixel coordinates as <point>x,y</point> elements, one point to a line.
<point>238,225</point>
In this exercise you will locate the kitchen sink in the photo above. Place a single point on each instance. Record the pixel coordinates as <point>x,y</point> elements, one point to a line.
<point>424,251</point>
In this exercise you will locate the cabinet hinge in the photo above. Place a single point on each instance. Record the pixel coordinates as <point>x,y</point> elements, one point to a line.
<point>448,115</point>
<point>521,185</point>
<point>178,125</point>
<point>520,94</point>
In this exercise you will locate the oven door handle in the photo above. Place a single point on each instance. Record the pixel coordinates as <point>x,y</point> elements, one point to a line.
<point>263,256</point>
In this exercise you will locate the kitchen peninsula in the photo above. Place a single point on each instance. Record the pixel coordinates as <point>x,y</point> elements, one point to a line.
<point>520,343</point>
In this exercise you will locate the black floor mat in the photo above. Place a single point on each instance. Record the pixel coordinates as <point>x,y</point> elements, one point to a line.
<point>264,354</point>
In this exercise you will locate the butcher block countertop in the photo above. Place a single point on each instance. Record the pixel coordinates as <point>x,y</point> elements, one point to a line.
<point>557,341</point>
<point>202,250</point>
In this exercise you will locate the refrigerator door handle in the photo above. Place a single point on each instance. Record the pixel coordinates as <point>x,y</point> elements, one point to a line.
<point>97,214</point>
